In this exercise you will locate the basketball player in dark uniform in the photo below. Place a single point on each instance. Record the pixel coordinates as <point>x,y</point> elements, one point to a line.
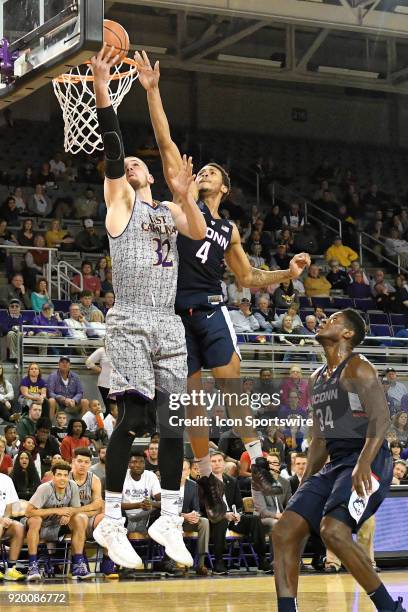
<point>351,419</point>
<point>210,336</point>
<point>145,339</point>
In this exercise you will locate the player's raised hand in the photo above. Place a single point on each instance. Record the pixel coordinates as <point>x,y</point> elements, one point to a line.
<point>102,63</point>
<point>180,182</point>
<point>298,263</point>
<point>148,77</point>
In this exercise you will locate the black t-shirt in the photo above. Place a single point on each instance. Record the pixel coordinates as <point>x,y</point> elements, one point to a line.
<point>59,432</point>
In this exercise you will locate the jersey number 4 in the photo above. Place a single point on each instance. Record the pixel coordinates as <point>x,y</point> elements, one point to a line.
<point>162,252</point>
<point>202,252</point>
<point>325,418</point>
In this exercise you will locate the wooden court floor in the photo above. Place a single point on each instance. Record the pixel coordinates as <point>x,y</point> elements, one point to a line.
<point>318,593</point>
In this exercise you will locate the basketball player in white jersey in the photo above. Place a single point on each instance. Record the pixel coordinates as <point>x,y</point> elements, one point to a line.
<point>145,340</point>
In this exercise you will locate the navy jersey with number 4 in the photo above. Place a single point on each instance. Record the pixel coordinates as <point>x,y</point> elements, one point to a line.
<point>201,263</point>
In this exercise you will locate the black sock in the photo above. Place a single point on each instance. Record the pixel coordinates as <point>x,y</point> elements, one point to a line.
<point>382,599</point>
<point>287,604</point>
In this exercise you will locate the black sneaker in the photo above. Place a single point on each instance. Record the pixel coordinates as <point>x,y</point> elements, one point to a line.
<point>220,568</point>
<point>169,567</point>
<point>265,566</point>
<point>211,491</point>
<point>398,607</point>
<point>262,479</point>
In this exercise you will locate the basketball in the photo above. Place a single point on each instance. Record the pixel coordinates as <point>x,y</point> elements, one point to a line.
<point>116,36</point>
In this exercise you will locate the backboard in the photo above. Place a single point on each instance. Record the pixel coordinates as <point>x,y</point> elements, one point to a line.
<point>40,39</point>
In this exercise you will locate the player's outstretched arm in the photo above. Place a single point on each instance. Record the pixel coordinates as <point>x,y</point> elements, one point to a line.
<point>361,377</point>
<point>248,276</point>
<point>149,78</point>
<point>116,186</point>
<point>187,216</point>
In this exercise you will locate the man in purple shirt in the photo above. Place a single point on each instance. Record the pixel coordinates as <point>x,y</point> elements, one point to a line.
<point>65,391</point>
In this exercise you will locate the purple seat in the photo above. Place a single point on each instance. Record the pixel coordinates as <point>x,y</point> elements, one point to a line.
<point>304,301</point>
<point>28,315</point>
<point>3,318</point>
<point>398,319</point>
<point>322,302</point>
<point>364,304</point>
<point>377,318</point>
<point>340,303</point>
<point>380,330</point>
<point>61,305</point>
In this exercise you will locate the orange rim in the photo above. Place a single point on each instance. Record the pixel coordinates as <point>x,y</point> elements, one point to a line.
<point>75,78</point>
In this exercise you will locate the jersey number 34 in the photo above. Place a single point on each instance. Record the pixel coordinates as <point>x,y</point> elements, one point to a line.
<point>325,418</point>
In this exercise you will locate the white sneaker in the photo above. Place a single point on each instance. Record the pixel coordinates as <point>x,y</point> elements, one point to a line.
<point>113,536</point>
<point>168,532</point>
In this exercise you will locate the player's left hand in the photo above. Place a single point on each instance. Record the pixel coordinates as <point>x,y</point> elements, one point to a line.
<point>361,479</point>
<point>298,263</point>
<point>180,183</point>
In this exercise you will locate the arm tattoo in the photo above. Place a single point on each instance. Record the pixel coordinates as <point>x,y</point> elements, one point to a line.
<point>263,278</point>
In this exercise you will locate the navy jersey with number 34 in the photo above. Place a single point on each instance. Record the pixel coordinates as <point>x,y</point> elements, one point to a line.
<point>201,263</point>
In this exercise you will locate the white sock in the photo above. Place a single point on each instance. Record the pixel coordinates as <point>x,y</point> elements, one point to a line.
<point>254,450</point>
<point>113,503</point>
<point>170,502</point>
<point>204,465</point>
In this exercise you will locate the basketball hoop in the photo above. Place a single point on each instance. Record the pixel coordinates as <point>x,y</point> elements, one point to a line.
<point>76,96</point>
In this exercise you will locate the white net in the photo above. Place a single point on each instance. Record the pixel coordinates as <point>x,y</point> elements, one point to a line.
<point>75,94</point>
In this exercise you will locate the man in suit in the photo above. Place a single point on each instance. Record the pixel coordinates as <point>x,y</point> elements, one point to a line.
<point>248,525</point>
<point>299,469</point>
<point>193,522</point>
<point>269,508</point>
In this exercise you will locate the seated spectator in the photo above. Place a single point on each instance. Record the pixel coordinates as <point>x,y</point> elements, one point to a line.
<point>286,237</point>
<point>288,335</point>
<point>100,364</point>
<point>108,302</point>
<point>384,300</point>
<point>152,459</point>
<point>401,295</point>
<point>6,237</point>
<point>101,267</point>
<point>27,425</point>
<point>285,295</point>
<point>6,397</point>
<point>295,382</point>
<point>29,444</point>
<point>34,262</point>
<point>9,211</point>
<point>15,291</point>
<point>340,252</point>
<point>358,288</point>
<point>25,236</point>
<point>76,323</point>
<point>291,312</point>
<point>21,200</point>
<point>236,294</point>
<point>12,326</point>
<point>48,325</point>
<point>392,404</point>
<point>299,469</point>
<point>264,314</point>
<point>57,167</point>
<point>399,427</point>
<point>96,328</point>
<point>57,238</point>
<point>396,449</point>
<point>99,468</point>
<point>315,284</point>
<point>245,524</point>
<point>10,529</point>
<point>33,388</point>
<point>25,476</point>
<point>47,444</point>
<point>400,472</point>
<point>39,204</point>
<point>379,278</point>
<point>110,420</point>
<point>355,267</point>
<point>45,516</point>
<point>93,419</point>
<point>75,438</point>
<point>280,259</point>
<point>28,178</point>
<point>65,390</point>
<point>40,296</point>
<point>88,309</point>
<point>45,176</point>
<point>91,282</point>
<point>12,441</point>
<point>141,494</point>
<point>6,462</point>
<point>397,389</point>
<point>310,328</point>
<point>292,406</point>
<point>337,277</point>
<point>273,220</point>
<point>320,315</point>
<point>293,219</point>
<point>394,245</point>
<point>106,285</point>
<point>86,206</point>
<point>87,239</point>
<point>60,429</point>
<point>272,443</point>
<point>49,475</point>
<point>243,320</point>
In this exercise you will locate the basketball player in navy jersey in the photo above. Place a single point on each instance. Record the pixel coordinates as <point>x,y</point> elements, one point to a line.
<point>210,336</point>
<point>351,419</point>
<point>145,339</point>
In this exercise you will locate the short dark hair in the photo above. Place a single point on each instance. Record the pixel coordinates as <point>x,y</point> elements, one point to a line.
<point>301,455</point>
<point>226,181</point>
<point>216,452</point>
<point>8,427</point>
<point>61,465</point>
<point>357,324</point>
<point>152,442</point>
<point>85,293</point>
<point>83,451</point>
<point>70,427</point>
<point>137,453</point>
<point>44,423</point>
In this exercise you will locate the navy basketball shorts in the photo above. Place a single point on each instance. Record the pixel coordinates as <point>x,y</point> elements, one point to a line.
<point>327,493</point>
<point>210,338</point>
